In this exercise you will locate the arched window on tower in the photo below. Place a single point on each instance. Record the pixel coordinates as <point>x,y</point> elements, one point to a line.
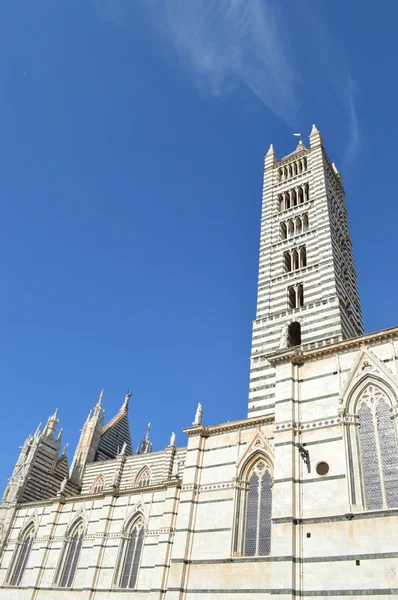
<point>305,222</point>
<point>300,295</point>
<point>294,334</point>
<point>295,260</point>
<point>291,296</point>
<point>129,559</point>
<point>70,555</point>
<point>298,226</point>
<point>378,449</point>
<point>254,511</point>
<point>303,257</point>
<point>290,228</point>
<point>287,261</point>
<point>283,231</point>
<point>21,556</point>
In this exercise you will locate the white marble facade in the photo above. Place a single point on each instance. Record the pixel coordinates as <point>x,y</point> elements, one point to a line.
<point>299,499</point>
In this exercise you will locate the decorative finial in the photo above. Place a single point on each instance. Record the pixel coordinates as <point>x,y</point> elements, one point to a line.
<point>99,403</point>
<point>123,450</point>
<point>198,415</point>
<point>59,436</point>
<point>64,450</point>
<point>126,400</point>
<point>146,445</point>
<point>37,432</point>
<point>172,439</point>
<point>63,485</point>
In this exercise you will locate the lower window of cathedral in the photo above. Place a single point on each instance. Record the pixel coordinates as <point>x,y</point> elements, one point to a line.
<point>22,554</point>
<point>131,555</point>
<point>70,556</point>
<point>379,450</point>
<point>257,519</point>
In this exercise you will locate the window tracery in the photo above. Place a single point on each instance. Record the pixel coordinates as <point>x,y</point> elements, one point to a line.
<point>130,554</point>
<point>378,449</point>
<point>21,556</point>
<point>70,556</point>
<point>98,485</point>
<point>143,478</point>
<point>253,536</point>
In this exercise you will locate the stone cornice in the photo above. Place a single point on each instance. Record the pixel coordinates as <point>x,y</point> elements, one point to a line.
<point>297,356</point>
<point>246,423</point>
<point>84,497</point>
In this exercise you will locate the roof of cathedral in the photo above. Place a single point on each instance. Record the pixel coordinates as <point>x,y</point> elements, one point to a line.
<point>115,434</point>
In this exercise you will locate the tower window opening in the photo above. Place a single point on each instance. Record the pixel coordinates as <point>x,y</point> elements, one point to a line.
<point>300,195</point>
<point>303,257</point>
<point>283,231</point>
<point>294,198</point>
<point>298,226</point>
<point>291,292</point>
<point>288,262</point>
<point>295,260</point>
<point>290,227</point>
<point>305,222</point>
<point>294,334</point>
<point>287,200</point>
<point>300,295</point>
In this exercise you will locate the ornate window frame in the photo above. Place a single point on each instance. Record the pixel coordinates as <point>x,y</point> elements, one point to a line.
<point>144,477</point>
<point>97,487</point>
<point>242,502</point>
<point>70,554</point>
<point>369,390</point>
<point>132,542</point>
<point>21,555</point>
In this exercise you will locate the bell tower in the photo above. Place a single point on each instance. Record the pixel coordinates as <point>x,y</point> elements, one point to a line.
<point>307,286</point>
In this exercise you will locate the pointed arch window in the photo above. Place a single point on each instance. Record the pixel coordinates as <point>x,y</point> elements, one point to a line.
<point>253,536</point>
<point>98,485</point>
<point>21,556</point>
<point>130,555</point>
<point>378,449</point>
<point>70,556</point>
<point>143,478</point>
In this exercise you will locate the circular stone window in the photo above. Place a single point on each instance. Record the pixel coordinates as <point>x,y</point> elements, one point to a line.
<point>322,468</point>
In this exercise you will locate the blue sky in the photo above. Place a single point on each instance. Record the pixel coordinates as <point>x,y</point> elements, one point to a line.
<point>132,139</point>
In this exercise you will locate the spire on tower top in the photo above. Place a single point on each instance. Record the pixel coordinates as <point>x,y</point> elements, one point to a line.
<point>271,150</point>
<point>314,129</point>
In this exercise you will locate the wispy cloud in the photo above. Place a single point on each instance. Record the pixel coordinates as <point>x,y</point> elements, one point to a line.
<point>282,52</point>
<point>353,142</point>
<point>225,43</point>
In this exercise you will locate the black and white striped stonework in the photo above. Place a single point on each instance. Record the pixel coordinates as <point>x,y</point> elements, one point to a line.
<point>305,244</point>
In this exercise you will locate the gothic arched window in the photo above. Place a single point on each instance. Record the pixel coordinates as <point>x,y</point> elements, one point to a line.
<point>378,449</point>
<point>143,478</point>
<point>70,555</point>
<point>98,485</point>
<point>255,506</point>
<point>130,554</point>
<point>21,556</point>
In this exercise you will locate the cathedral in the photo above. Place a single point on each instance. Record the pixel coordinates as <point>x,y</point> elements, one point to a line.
<point>298,499</point>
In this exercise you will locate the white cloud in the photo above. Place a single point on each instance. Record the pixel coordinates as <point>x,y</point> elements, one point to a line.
<point>282,52</point>
<point>224,43</point>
